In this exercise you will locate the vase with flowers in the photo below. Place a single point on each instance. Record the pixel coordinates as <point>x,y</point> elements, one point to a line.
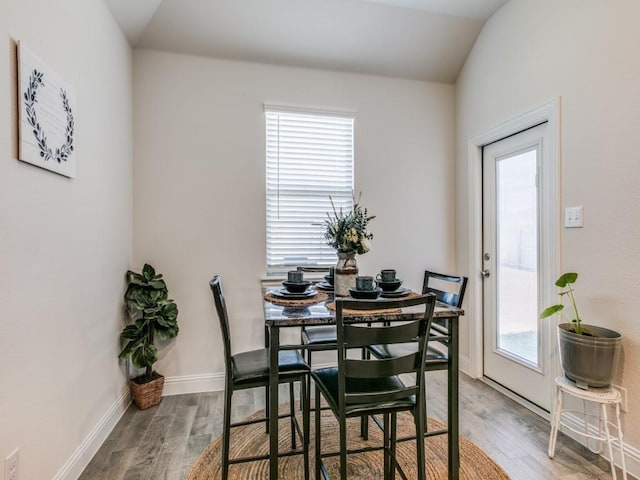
<point>348,234</point>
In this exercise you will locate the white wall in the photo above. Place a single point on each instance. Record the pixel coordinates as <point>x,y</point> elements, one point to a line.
<point>64,244</point>
<point>584,51</point>
<point>200,183</point>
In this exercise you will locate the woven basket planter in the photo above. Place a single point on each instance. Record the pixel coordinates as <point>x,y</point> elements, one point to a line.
<point>147,394</point>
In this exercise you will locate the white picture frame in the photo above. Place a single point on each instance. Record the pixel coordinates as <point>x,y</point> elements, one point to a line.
<point>46,116</point>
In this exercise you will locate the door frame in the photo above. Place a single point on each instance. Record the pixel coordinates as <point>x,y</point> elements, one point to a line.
<point>550,113</point>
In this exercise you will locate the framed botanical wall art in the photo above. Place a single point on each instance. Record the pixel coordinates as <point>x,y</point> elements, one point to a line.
<point>47,109</point>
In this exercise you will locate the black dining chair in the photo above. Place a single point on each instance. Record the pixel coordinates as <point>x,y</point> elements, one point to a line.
<point>250,370</point>
<point>321,337</point>
<point>449,290</point>
<point>360,387</point>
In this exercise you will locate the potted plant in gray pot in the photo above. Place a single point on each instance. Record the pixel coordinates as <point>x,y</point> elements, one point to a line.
<point>589,354</point>
<point>154,317</point>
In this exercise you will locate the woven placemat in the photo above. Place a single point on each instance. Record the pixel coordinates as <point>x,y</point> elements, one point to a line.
<point>347,311</point>
<point>332,306</point>
<point>408,295</point>
<point>320,297</point>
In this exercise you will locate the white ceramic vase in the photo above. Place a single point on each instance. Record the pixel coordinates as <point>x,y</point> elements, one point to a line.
<point>345,273</point>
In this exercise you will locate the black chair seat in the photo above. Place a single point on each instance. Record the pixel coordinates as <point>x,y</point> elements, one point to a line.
<point>320,335</point>
<point>327,380</point>
<point>433,355</point>
<point>253,366</point>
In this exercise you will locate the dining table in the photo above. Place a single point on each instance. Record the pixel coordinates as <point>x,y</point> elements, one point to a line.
<point>278,316</point>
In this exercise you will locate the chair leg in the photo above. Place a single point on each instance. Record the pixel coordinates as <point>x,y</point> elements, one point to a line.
<point>426,415</point>
<point>364,420</point>
<point>420,456</point>
<point>386,445</point>
<point>292,413</point>
<point>364,427</point>
<point>266,408</point>
<point>318,435</point>
<point>343,448</point>
<point>308,359</point>
<point>226,431</point>
<point>394,436</point>
<point>306,407</point>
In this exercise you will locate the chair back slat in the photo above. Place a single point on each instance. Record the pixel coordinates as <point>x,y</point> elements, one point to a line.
<point>356,336</point>
<point>439,330</point>
<point>381,397</point>
<point>355,368</point>
<point>313,269</point>
<point>351,336</point>
<point>453,297</point>
<point>221,307</point>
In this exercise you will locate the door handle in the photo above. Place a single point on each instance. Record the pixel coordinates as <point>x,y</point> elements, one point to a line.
<point>485,273</point>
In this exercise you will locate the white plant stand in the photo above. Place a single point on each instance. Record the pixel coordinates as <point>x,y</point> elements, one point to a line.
<point>601,396</point>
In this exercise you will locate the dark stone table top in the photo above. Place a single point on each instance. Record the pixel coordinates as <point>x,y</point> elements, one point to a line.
<point>319,314</point>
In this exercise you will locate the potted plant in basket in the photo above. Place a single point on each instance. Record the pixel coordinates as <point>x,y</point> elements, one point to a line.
<point>348,234</point>
<point>589,355</point>
<point>154,316</point>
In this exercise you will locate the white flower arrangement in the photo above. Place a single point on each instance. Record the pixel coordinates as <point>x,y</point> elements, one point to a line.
<point>348,233</point>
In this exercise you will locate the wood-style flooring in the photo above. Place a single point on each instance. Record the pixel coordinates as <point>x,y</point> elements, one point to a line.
<point>162,443</point>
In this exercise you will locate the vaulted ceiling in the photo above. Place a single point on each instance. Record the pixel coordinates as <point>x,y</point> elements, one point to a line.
<point>417,39</point>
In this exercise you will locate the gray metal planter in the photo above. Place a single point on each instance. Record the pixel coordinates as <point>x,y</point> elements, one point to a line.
<point>589,360</point>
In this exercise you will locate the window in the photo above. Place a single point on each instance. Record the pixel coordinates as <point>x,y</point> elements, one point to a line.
<point>309,159</point>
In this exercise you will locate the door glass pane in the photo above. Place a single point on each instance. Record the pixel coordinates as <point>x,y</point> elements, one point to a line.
<point>517,258</point>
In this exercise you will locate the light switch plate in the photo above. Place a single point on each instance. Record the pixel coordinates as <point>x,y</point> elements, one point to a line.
<point>573,217</point>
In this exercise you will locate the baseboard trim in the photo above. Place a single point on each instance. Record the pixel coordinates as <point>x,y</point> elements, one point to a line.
<point>631,454</point>
<point>74,466</point>
<point>464,364</point>
<point>517,398</point>
<point>208,382</point>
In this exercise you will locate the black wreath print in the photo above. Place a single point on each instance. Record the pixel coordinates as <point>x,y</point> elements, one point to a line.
<point>30,100</point>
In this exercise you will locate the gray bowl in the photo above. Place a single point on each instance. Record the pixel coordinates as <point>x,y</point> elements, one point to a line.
<point>390,286</point>
<point>296,287</point>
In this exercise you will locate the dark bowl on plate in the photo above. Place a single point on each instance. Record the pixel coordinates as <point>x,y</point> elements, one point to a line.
<point>328,279</point>
<point>296,287</point>
<point>366,294</point>
<point>389,286</point>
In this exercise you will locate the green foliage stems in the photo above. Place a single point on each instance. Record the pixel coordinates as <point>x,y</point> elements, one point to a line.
<point>565,281</point>
<point>348,233</point>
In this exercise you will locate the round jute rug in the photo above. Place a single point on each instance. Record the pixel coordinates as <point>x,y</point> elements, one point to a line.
<point>252,440</point>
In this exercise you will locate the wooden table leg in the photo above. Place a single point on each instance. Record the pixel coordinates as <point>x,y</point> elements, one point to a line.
<point>274,346</point>
<point>453,411</point>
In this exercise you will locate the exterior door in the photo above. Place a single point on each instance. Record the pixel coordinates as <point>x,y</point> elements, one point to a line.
<point>516,342</point>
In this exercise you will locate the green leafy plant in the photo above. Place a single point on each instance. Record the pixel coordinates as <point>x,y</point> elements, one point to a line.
<point>348,233</point>
<point>565,282</point>
<point>153,314</point>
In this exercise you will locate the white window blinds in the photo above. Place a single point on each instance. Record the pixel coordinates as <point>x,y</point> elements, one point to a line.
<point>309,159</point>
